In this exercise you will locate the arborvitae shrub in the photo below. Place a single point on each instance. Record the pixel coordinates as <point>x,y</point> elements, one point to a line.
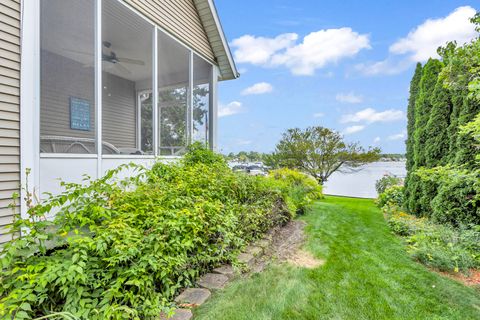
<point>465,146</point>
<point>437,142</point>
<point>423,108</point>
<point>414,90</point>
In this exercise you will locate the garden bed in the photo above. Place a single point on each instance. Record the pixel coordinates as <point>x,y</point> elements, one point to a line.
<point>126,247</point>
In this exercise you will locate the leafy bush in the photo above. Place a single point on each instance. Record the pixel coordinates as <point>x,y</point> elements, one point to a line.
<point>438,246</point>
<point>402,223</point>
<point>298,188</point>
<point>457,198</point>
<point>393,195</point>
<point>387,181</point>
<point>121,249</point>
<point>199,153</point>
<point>445,248</point>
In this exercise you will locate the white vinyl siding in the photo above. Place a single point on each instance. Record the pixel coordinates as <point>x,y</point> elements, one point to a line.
<point>9,110</point>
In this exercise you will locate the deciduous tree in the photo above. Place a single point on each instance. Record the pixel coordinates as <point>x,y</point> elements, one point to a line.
<point>320,152</point>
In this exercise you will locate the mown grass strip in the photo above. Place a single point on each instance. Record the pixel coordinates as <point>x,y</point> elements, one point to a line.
<point>367,275</point>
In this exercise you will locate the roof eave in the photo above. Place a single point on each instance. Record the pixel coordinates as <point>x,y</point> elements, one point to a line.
<point>225,56</point>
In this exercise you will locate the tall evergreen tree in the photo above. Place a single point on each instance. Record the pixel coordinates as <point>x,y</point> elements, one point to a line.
<point>457,98</point>
<point>437,142</point>
<point>423,107</point>
<point>465,146</point>
<point>414,90</point>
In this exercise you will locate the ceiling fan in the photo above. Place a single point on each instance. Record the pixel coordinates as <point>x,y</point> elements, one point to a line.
<point>111,57</point>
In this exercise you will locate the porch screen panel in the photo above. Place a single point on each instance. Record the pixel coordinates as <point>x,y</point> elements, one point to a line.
<point>173,91</point>
<point>127,68</point>
<point>67,86</point>
<point>202,71</point>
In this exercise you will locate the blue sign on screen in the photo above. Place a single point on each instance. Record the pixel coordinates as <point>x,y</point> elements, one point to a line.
<point>79,114</point>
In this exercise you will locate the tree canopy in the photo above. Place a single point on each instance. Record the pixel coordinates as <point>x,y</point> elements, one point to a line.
<point>320,152</point>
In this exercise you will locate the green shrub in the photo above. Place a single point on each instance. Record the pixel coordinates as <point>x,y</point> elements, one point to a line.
<point>199,153</point>
<point>298,188</point>
<point>442,247</point>
<point>121,249</point>
<point>445,248</point>
<point>393,195</point>
<point>402,223</point>
<point>457,199</point>
<point>387,181</point>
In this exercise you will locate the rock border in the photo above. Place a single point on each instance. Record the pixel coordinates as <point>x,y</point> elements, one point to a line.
<point>253,259</point>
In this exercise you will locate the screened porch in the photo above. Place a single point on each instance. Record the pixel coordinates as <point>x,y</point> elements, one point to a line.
<point>136,92</point>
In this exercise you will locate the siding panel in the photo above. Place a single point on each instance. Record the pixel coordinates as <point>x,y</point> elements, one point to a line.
<point>8,124</point>
<point>9,176</point>
<point>6,212</point>
<point>9,110</point>
<point>9,159</point>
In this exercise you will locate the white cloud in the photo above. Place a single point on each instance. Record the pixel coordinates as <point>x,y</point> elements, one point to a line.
<point>353,129</point>
<point>398,136</point>
<point>349,98</point>
<point>389,66</point>
<point>259,50</point>
<point>318,115</point>
<point>370,115</point>
<point>422,42</point>
<point>316,50</point>
<point>377,140</point>
<point>258,88</point>
<point>230,109</point>
<point>321,48</point>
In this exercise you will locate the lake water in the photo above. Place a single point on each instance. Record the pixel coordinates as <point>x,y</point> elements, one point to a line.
<point>361,183</point>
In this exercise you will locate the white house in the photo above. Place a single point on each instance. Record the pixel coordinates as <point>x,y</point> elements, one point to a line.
<point>86,85</point>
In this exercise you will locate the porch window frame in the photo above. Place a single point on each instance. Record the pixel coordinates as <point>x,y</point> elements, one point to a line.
<point>34,11</point>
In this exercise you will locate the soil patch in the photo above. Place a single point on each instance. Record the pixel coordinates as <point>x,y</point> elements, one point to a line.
<point>306,260</point>
<point>286,247</point>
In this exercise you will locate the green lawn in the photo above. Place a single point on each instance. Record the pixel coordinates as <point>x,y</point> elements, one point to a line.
<point>367,275</point>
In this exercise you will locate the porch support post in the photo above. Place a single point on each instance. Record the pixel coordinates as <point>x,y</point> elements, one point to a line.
<point>213,110</point>
<point>30,101</point>
<point>156,137</point>
<point>190,101</point>
<point>98,84</point>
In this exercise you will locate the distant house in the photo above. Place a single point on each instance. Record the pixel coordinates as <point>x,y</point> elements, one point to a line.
<point>86,85</point>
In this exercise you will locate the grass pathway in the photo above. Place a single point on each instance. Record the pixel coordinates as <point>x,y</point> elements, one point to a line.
<point>367,275</point>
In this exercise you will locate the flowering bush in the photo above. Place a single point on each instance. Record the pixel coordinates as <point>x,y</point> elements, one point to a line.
<point>402,223</point>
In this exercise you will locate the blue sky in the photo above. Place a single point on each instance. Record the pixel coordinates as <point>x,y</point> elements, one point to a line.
<point>345,65</point>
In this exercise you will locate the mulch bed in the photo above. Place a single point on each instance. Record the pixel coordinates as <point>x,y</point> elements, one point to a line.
<point>471,280</point>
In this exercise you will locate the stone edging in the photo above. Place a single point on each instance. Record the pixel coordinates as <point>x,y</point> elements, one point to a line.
<point>219,277</point>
